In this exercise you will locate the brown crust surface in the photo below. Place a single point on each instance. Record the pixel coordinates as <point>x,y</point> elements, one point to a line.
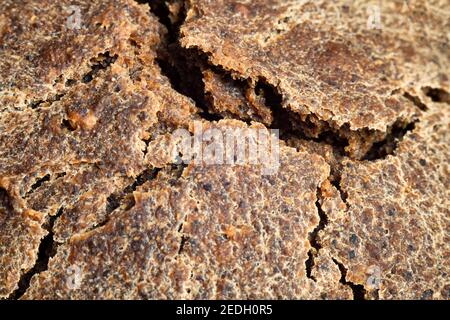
<point>393,234</point>
<point>337,69</point>
<point>95,205</point>
<point>229,99</point>
<point>198,237</point>
<point>41,50</point>
<point>90,142</point>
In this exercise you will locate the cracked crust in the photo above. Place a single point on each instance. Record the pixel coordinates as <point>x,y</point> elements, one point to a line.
<point>77,139</point>
<point>325,61</point>
<point>22,228</point>
<point>41,50</point>
<point>94,205</point>
<point>402,203</point>
<point>339,70</point>
<point>200,236</point>
<point>234,100</point>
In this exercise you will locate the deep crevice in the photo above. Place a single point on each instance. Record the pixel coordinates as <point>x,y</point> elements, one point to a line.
<point>337,184</point>
<point>184,240</point>
<point>115,200</point>
<point>313,237</point>
<point>359,293</point>
<point>184,77</point>
<point>381,149</point>
<point>39,183</point>
<point>160,9</point>
<point>67,125</point>
<point>290,123</point>
<point>4,198</point>
<point>183,67</point>
<point>310,128</point>
<point>309,263</point>
<point>102,62</point>
<point>437,94</point>
<point>416,100</point>
<point>47,249</point>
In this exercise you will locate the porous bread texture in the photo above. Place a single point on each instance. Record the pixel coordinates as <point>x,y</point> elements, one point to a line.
<point>44,45</point>
<point>229,99</point>
<point>393,235</point>
<point>88,124</point>
<point>89,142</point>
<point>326,59</point>
<point>201,235</point>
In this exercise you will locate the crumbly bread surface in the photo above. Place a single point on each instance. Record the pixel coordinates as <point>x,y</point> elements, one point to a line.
<point>337,69</point>
<point>93,204</point>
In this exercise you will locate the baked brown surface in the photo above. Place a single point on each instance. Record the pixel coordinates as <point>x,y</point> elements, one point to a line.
<point>93,204</point>
<point>235,100</point>
<point>90,142</point>
<point>324,60</point>
<point>397,213</point>
<point>201,235</point>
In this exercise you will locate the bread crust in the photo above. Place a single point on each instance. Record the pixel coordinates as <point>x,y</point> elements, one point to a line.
<point>94,203</point>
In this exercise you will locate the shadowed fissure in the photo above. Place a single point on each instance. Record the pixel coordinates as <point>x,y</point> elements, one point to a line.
<point>101,62</point>
<point>313,237</point>
<point>359,293</point>
<point>47,249</point>
<point>183,67</point>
